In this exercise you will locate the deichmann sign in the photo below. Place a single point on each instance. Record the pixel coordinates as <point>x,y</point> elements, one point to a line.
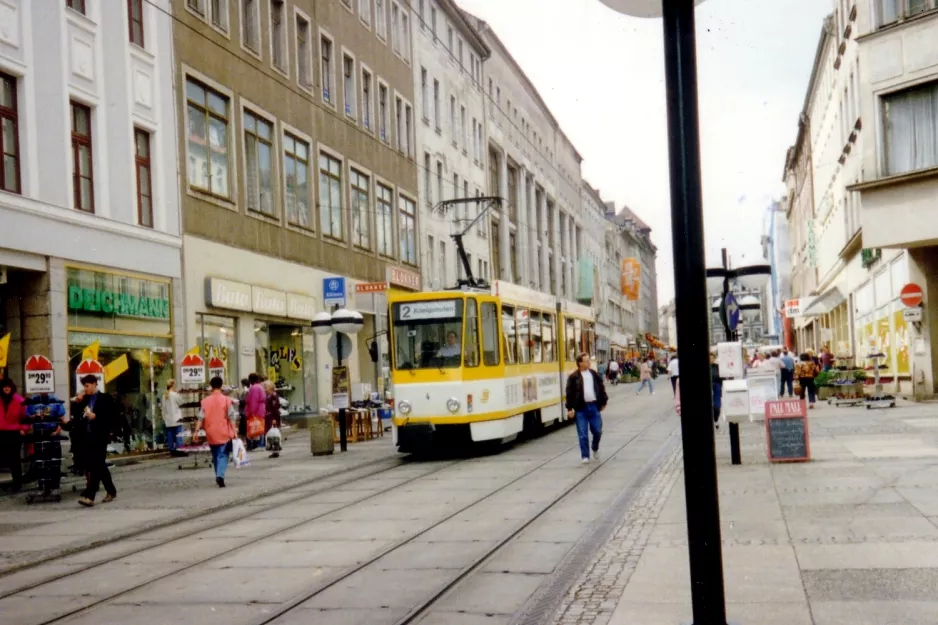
<point>220,293</point>
<point>105,302</point>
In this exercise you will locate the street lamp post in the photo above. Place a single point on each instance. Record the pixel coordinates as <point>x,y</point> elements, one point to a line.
<point>342,322</point>
<point>700,473</point>
<point>723,278</point>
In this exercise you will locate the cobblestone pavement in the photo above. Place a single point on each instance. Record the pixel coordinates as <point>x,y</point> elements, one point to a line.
<point>596,593</point>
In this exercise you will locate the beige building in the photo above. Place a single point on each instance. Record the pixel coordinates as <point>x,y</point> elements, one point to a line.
<point>297,170</point>
<point>899,104</point>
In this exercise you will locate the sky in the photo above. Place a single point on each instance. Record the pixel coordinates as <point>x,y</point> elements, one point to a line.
<point>602,75</point>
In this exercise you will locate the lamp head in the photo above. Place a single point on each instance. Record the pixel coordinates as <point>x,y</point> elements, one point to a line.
<point>322,323</point>
<point>347,321</point>
<point>639,8</point>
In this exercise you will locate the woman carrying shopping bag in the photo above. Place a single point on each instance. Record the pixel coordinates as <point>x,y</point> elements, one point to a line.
<point>272,420</point>
<point>217,419</point>
<point>805,372</point>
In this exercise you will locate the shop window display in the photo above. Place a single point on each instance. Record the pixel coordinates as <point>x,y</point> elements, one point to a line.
<point>281,353</point>
<point>124,315</point>
<point>218,340</point>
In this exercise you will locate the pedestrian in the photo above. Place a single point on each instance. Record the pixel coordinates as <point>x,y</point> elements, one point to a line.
<point>172,418</point>
<point>787,374</point>
<point>827,358</point>
<point>242,396</point>
<point>717,383</point>
<point>674,372</point>
<point>272,415</point>
<point>586,399</point>
<point>613,372</point>
<point>645,373</point>
<point>94,414</point>
<point>255,408</point>
<point>805,371</point>
<point>12,432</point>
<point>216,418</point>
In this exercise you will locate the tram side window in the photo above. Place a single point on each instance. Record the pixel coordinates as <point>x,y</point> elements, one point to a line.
<point>537,345</point>
<point>472,333</point>
<point>524,333</point>
<point>490,333</point>
<point>549,338</point>
<point>508,330</point>
<point>569,339</point>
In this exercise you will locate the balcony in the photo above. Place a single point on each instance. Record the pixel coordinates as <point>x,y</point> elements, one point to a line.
<point>899,211</point>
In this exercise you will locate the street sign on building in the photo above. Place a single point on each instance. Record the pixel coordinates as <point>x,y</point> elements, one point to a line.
<point>333,291</point>
<point>732,311</point>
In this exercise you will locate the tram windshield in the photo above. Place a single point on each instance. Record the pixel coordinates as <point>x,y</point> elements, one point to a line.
<point>427,335</point>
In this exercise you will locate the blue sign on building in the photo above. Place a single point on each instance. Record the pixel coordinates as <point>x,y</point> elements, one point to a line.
<point>333,291</point>
<point>732,312</point>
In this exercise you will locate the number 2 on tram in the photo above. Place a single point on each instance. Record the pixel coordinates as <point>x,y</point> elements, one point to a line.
<point>474,366</point>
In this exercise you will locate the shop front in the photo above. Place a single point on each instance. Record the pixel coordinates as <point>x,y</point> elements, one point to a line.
<point>112,315</point>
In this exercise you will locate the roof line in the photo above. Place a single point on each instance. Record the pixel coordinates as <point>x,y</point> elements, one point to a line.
<point>453,9</point>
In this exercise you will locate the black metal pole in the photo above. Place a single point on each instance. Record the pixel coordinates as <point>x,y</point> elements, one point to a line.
<point>687,235</point>
<point>731,335</point>
<point>343,433</point>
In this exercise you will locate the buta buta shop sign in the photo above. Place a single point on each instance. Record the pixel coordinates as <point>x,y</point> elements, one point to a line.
<point>105,302</point>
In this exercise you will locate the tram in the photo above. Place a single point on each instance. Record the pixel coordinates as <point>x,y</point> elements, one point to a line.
<point>481,364</point>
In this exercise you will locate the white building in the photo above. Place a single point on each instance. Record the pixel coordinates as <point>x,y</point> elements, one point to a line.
<point>537,236</point>
<point>898,100</point>
<point>89,246</point>
<point>448,58</point>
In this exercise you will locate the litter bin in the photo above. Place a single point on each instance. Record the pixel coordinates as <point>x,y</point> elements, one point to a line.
<point>321,435</point>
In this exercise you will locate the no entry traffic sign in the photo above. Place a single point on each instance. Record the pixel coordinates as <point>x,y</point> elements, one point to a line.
<point>911,295</point>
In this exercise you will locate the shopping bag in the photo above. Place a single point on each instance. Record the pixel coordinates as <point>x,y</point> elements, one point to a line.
<point>255,427</point>
<point>239,454</point>
<point>274,439</point>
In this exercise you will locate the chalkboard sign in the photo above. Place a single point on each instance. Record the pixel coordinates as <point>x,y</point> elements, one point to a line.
<point>786,431</point>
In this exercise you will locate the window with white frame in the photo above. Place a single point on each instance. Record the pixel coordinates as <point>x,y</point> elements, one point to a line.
<point>208,117</point>
<point>384,219</point>
<point>436,104</point>
<point>278,34</point>
<point>449,39</point>
<point>405,35</point>
<point>399,123</point>
<point>219,17</point>
<point>409,129</point>
<point>364,10</point>
<point>325,67</point>
<point>424,94</point>
<point>452,118</point>
<point>383,113</point>
<point>330,196</point>
<point>475,140</point>
<point>420,12</point>
<point>250,25</point>
<point>367,116</point>
<point>258,164</point>
<point>381,19</point>
<point>910,118</point>
<point>433,23</point>
<point>427,186</point>
<point>439,182</point>
<point>395,28</point>
<point>459,56</point>
<point>360,204</point>
<point>891,11</point>
<point>407,226</point>
<point>348,85</point>
<point>463,128</point>
<point>304,74</point>
<point>296,182</point>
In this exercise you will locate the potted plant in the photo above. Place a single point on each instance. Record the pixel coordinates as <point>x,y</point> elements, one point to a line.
<point>823,384</point>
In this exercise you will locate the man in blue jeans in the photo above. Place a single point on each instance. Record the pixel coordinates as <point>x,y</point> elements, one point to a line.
<point>586,399</point>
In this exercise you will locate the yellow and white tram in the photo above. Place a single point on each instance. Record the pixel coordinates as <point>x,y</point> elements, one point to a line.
<point>474,365</point>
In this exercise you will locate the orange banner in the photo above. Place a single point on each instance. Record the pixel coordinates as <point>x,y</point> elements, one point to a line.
<point>631,278</point>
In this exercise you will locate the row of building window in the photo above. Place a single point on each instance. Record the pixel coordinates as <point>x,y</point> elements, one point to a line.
<point>209,122</point>
<point>454,43</point>
<point>135,22</point>
<point>458,119</point>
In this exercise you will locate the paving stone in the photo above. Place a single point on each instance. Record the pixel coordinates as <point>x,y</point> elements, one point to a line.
<point>190,614</point>
<point>874,612</point>
<point>497,593</point>
<point>342,616</point>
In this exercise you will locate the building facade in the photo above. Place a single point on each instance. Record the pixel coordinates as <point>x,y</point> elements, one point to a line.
<point>898,102</point>
<point>450,103</point>
<point>298,181</point>
<point>89,247</point>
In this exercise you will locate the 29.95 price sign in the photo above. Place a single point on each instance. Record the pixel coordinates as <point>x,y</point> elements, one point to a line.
<point>40,382</point>
<point>192,374</point>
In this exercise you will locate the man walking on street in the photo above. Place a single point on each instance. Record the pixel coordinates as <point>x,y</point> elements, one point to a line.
<point>613,372</point>
<point>586,399</point>
<point>674,372</point>
<point>94,414</point>
<point>787,374</point>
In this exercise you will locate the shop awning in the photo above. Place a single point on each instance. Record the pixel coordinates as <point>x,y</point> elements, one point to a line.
<point>831,299</point>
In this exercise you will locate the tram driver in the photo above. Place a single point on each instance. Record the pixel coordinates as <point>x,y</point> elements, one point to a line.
<point>452,348</point>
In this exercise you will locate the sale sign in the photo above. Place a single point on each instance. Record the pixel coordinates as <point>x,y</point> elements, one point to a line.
<point>216,368</point>
<point>192,369</point>
<point>40,378</point>
<point>90,367</point>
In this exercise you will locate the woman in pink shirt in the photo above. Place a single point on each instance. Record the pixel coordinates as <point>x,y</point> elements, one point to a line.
<point>216,418</point>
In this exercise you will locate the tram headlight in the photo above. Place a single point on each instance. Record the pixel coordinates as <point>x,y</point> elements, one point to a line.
<point>452,404</point>
<point>404,407</point>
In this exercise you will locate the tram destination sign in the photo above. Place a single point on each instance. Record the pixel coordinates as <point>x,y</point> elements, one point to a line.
<point>419,311</point>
